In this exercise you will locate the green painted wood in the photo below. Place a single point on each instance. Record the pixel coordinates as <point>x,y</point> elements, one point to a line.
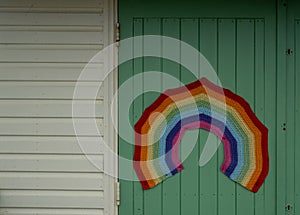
<point>297,118</point>
<point>292,146</point>
<point>138,103</point>
<point>270,113</point>
<point>190,8</point>
<point>227,74</point>
<point>259,96</point>
<point>244,54</point>
<point>290,116</point>
<point>209,172</point>
<point>281,110</point>
<point>171,28</point>
<point>152,26</point>
<point>125,148</point>
<point>245,88</point>
<point>190,175</point>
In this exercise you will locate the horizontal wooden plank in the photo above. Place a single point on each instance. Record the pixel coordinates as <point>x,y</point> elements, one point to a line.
<point>48,181</point>
<point>49,53</point>
<point>51,71</point>
<point>49,90</point>
<point>97,10</point>
<point>48,163</point>
<point>50,126</point>
<point>50,145</point>
<point>52,211</point>
<point>45,45</point>
<point>52,36</point>
<point>50,4</point>
<point>17,18</point>
<point>50,108</point>
<point>50,28</point>
<point>49,199</point>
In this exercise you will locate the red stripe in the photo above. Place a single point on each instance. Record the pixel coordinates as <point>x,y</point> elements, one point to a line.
<point>220,90</point>
<point>262,128</point>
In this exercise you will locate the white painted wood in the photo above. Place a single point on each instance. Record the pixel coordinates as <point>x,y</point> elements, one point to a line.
<point>52,10</point>
<point>52,4</point>
<point>48,90</point>
<point>51,181</point>
<point>54,28</point>
<point>110,133</point>
<point>50,163</point>
<point>50,145</point>
<point>44,46</point>
<point>63,35</point>
<point>50,71</point>
<point>49,53</point>
<point>49,126</point>
<point>51,199</point>
<point>64,19</point>
<point>50,108</point>
<point>52,211</point>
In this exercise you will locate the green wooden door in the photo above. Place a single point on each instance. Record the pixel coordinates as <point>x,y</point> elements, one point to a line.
<point>293,105</point>
<point>239,40</point>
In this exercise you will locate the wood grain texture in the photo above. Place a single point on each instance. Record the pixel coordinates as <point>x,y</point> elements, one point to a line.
<point>236,41</point>
<point>45,46</point>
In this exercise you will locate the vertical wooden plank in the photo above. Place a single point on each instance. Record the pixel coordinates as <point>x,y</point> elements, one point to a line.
<point>152,26</point>
<point>209,172</point>
<point>189,176</point>
<point>138,200</point>
<point>226,69</point>
<point>290,134</point>
<point>245,88</point>
<point>125,148</point>
<point>270,111</point>
<point>259,96</point>
<point>171,187</point>
<point>281,109</point>
<point>297,118</point>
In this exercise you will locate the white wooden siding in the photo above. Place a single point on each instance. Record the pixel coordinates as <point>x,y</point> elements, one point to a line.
<point>44,45</point>
<point>46,71</point>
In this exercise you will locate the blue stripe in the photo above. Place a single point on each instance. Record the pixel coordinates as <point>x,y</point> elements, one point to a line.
<point>209,120</point>
<point>230,131</point>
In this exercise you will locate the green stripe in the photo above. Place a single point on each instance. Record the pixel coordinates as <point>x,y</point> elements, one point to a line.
<point>211,106</point>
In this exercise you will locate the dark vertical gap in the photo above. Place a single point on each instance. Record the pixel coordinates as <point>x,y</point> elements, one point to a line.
<point>180,74</point>
<point>236,38</point>
<point>276,108</point>
<point>254,88</point>
<point>235,86</point>
<point>143,96</point>
<point>254,63</point>
<point>295,106</point>
<point>217,67</point>
<point>198,141</point>
<point>133,109</point>
<point>288,133</point>
<point>180,78</point>
<point>161,85</point>
<point>264,96</point>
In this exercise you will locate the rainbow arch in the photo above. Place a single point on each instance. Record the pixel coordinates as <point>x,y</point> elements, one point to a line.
<point>204,105</point>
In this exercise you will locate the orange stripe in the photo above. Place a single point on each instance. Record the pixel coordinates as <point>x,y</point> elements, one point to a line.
<point>229,101</point>
<point>254,129</point>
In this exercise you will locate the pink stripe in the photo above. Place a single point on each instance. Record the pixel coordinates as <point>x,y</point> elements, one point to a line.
<point>196,125</point>
<point>226,144</point>
<point>175,154</point>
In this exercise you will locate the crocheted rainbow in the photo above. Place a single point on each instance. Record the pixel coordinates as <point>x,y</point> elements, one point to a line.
<point>201,104</point>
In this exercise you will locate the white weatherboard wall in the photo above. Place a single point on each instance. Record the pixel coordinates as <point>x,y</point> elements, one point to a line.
<point>44,45</point>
